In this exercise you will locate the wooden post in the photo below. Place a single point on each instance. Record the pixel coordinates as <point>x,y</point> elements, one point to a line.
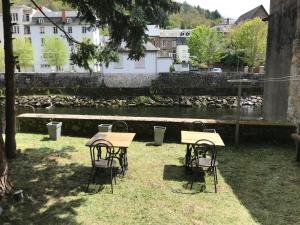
<point>298,145</point>
<point>238,116</point>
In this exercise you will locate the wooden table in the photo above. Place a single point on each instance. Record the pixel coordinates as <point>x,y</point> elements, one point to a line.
<point>118,140</point>
<point>190,137</point>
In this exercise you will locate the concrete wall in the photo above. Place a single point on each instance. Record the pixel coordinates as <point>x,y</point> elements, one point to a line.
<point>294,87</point>
<point>146,65</point>
<point>163,64</point>
<point>281,34</point>
<point>86,126</point>
<point>128,80</point>
<point>168,84</point>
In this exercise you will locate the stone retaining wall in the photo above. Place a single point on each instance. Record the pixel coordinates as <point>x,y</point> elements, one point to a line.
<point>186,83</point>
<point>86,126</point>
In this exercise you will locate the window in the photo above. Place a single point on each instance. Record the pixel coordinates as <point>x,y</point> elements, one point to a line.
<point>26,29</point>
<point>69,20</point>
<point>45,66</point>
<point>27,18</point>
<point>15,30</point>
<point>54,30</point>
<point>164,43</point>
<point>119,65</point>
<point>173,44</point>
<point>140,64</point>
<point>70,30</point>
<point>84,30</point>
<point>43,41</point>
<point>40,20</point>
<point>42,30</point>
<point>15,17</point>
<point>71,44</point>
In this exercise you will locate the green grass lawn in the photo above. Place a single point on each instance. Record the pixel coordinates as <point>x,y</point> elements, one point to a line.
<point>257,185</point>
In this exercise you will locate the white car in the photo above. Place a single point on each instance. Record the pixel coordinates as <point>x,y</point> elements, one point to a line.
<point>216,70</point>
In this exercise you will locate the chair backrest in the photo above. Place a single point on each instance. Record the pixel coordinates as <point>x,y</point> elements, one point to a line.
<point>197,126</point>
<point>97,148</point>
<point>209,130</point>
<point>119,126</point>
<point>203,148</point>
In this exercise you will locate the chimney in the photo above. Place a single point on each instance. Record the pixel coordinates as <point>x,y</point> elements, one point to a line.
<point>63,16</point>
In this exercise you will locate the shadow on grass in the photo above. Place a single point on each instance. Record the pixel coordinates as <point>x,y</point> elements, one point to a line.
<point>46,181</point>
<point>46,139</point>
<point>266,181</point>
<point>180,174</point>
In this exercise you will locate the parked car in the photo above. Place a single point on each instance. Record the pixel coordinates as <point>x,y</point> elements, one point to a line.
<point>216,70</point>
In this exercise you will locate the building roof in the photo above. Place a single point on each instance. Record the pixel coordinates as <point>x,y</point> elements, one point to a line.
<point>148,46</point>
<point>21,6</point>
<point>252,14</point>
<point>175,33</point>
<point>52,14</point>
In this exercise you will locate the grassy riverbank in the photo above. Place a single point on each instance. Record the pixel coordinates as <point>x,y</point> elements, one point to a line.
<point>257,185</point>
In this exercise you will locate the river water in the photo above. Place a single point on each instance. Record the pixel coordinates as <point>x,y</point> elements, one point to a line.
<point>170,112</point>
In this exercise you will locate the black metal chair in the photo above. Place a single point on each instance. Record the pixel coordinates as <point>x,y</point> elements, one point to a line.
<point>205,156</point>
<point>108,162</point>
<point>198,125</point>
<point>119,126</point>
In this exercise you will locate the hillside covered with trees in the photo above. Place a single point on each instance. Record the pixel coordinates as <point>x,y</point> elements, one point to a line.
<point>191,16</point>
<point>51,4</point>
<point>188,17</point>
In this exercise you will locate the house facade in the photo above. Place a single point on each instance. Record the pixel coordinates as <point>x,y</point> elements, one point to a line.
<point>68,20</point>
<point>172,43</point>
<point>150,64</point>
<point>32,24</point>
<point>127,72</point>
<point>21,15</point>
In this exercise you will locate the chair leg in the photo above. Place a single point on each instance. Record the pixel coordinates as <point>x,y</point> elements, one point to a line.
<point>111,180</point>
<point>215,180</point>
<point>216,175</point>
<point>91,178</point>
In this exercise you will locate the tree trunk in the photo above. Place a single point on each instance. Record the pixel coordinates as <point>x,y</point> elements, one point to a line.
<point>10,115</point>
<point>5,185</point>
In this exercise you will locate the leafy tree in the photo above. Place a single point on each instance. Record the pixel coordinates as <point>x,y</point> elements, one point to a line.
<point>1,58</point>
<point>126,21</point>
<point>206,45</point>
<point>55,51</point>
<point>24,52</point>
<point>251,38</point>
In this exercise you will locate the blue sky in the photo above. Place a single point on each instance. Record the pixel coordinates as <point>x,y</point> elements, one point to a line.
<point>230,8</point>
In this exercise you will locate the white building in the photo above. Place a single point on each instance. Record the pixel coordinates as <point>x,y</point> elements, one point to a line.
<point>79,30</point>
<point>22,16</point>
<point>133,73</point>
<point>32,24</point>
<point>225,26</point>
<point>182,53</point>
<point>150,64</point>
